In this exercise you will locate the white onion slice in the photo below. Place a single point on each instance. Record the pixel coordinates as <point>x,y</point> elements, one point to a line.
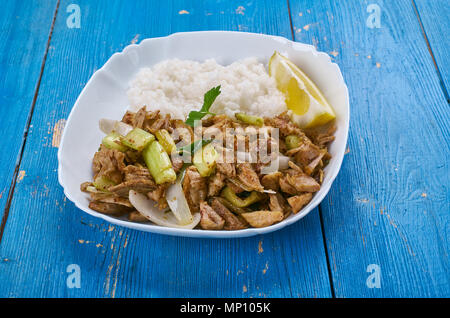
<point>110,125</point>
<point>178,203</point>
<point>147,208</point>
<point>283,162</point>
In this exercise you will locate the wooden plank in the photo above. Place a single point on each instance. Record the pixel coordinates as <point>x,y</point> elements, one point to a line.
<point>45,233</point>
<point>24,30</point>
<point>389,205</point>
<point>435,17</point>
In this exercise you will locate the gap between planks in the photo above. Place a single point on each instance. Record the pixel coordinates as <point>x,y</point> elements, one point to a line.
<point>430,50</point>
<point>27,128</point>
<point>322,228</point>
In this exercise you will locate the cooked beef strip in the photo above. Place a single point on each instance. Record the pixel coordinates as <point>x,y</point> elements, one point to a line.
<point>210,220</point>
<point>109,163</point>
<point>303,183</point>
<point>278,203</point>
<point>141,185</point>
<point>248,176</point>
<point>227,169</point>
<point>271,181</point>
<point>109,208</point>
<point>299,201</point>
<point>195,188</point>
<point>263,218</point>
<point>110,198</point>
<point>232,222</point>
<point>215,183</point>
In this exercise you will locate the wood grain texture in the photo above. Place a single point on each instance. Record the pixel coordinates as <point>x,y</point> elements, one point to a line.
<point>389,205</point>
<point>435,18</point>
<point>24,30</point>
<point>45,232</point>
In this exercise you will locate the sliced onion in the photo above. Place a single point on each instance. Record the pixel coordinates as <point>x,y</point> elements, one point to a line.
<point>283,162</point>
<point>110,125</point>
<point>147,208</point>
<point>178,203</point>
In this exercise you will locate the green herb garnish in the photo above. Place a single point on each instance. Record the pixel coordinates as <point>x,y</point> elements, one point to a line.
<point>208,99</point>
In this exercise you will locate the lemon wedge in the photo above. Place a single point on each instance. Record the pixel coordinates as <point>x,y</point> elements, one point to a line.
<point>307,103</point>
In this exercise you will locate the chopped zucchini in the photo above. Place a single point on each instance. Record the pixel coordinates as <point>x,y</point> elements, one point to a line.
<point>292,141</point>
<point>205,160</point>
<point>249,119</point>
<point>158,163</point>
<point>137,139</point>
<point>166,140</point>
<point>228,194</point>
<point>112,141</point>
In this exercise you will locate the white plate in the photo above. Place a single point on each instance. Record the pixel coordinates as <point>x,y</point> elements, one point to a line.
<point>105,96</point>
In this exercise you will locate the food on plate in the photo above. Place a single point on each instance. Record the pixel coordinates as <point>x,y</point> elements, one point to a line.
<point>240,160</point>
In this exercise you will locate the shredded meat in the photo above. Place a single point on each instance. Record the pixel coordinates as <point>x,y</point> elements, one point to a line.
<point>195,188</point>
<point>263,218</point>
<point>141,185</point>
<point>278,203</point>
<point>232,222</point>
<point>299,201</point>
<point>228,169</point>
<point>210,220</point>
<point>249,178</point>
<point>109,163</point>
<point>303,183</point>
<point>109,208</point>
<point>271,181</point>
<point>215,184</point>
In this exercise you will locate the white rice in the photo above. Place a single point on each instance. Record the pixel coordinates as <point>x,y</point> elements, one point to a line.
<point>177,86</point>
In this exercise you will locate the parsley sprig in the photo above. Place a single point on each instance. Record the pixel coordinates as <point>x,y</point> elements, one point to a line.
<point>208,99</point>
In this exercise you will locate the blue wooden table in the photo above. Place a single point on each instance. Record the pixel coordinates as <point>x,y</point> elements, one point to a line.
<point>382,231</point>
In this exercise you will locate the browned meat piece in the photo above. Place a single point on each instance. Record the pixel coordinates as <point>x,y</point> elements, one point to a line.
<point>309,169</point>
<point>195,188</point>
<point>232,222</point>
<point>84,185</point>
<point>299,201</point>
<point>227,169</point>
<point>271,181</point>
<point>159,195</point>
<point>286,187</point>
<point>177,163</point>
<point>183,132</point>
<point>210,220</point>
<point>303,183</point>
<point>128,118</point>
<point>139,185</point>
<point>109,163</point>
<point>135,216</point>
<point>248,177</point>
<point>278,203</point>
<point>284,124</point>
<point>110,198</point>
<point>139,118</point>
<point>306,153</point>
<point>136,172</point>
<point>263,218</point>
<point>215,183</point>
<point>109,208</point>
